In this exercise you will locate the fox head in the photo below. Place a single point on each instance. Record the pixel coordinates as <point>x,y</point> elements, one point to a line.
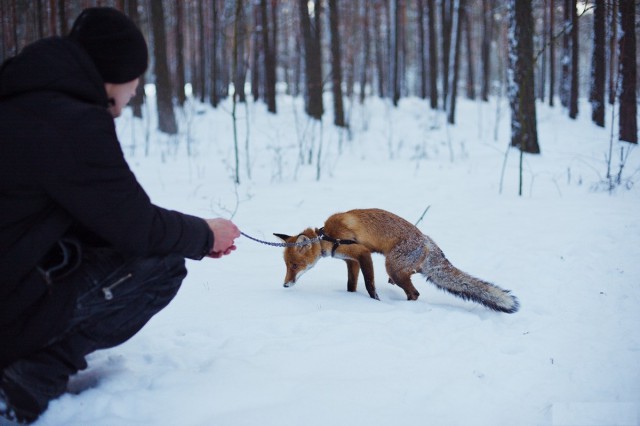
<point>299,259</point>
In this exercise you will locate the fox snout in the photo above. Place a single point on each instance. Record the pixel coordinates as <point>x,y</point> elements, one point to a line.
<point>293,273</point>
<point>290,279</point>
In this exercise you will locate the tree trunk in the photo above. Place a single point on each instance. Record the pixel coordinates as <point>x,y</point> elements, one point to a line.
<point>598,63</point>
<point>574,89</point>
<point>138,100</point>
<point>613,51</point>
<point>13,14</point>
<point>313,58</point>
<point>394,16</point>
<point>62,16</point>
<point>336,66</point>
<point>422,50</point>
<point>180,73</point>
<point>289,57</point>
<point>257,48</point>
<point>366,49</point>
<point>433,55</point>
<point>234,71</point>
<point>192,28</point>
<point>542,71</point>
<point>269,60</point>
<point>445,9</point>
<point>298,60</point>
<point>202,73</point>
<point>274,43</point>
<point>552,52</point>
<point>39,19</point>
<point>380,54</point>
<point>454,58</point>
<point>52,16</point>
<point>521,77</point>
<point>487,36</point>
<point>166,117</point>
<point>628,73</point>
<point>3,30</point>
<point>239,70</point>
<point>402,42</point>
<point>470,86</point>
<point>215,76</point>
<point>565,79</point>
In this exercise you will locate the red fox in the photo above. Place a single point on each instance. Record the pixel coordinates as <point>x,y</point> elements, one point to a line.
<point>354,235</point>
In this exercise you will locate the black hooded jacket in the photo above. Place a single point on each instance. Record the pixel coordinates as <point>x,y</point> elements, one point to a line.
<point>62,168</point>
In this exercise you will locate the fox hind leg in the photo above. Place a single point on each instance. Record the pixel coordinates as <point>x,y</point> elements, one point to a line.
<point>403,281</point>
<point>400,264</point>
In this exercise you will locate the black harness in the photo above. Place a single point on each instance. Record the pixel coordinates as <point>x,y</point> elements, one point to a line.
<point>336,241</point>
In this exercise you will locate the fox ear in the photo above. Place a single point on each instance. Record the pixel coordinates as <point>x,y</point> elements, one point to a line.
<point>303,239</point>
<point>283,237</point>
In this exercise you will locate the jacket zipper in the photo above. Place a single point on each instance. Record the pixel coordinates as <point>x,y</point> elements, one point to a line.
<point>108,294</point>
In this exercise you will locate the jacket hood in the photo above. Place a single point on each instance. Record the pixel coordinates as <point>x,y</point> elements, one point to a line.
<point>53,64</point>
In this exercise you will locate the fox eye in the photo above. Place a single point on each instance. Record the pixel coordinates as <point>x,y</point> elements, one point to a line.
<point>294,266</point>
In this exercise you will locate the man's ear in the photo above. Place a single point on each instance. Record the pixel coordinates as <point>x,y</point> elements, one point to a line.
<point>283,237</point>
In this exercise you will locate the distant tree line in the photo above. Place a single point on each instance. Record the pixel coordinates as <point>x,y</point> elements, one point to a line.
<point>435,49</point>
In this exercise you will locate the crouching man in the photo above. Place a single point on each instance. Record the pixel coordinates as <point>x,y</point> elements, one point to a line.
<point>85,258</point>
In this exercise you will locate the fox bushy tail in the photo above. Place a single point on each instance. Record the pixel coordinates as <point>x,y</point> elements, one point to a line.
<point>447,277</point>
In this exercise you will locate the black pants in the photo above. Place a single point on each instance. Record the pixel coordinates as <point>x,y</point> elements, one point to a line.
<point>116,298</point>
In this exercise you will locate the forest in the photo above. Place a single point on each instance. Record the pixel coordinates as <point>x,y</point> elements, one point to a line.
<point>553,51</point>
<point>504,130</point>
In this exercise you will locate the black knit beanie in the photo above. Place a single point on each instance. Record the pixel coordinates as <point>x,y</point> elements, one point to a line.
<point>114,43</point>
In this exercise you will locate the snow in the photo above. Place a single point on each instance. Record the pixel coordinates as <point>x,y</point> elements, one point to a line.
<point>236,348</point>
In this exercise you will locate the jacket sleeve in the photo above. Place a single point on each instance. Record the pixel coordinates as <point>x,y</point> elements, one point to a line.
<point>91,179</point>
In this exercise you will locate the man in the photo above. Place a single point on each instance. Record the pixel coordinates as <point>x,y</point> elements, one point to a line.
<point>85,258</point>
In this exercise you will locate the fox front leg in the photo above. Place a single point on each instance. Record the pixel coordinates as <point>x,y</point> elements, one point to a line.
<point>366,264</point>
<point>353,269</point>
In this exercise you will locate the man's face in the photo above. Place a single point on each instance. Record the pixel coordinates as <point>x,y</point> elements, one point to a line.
<point>119,95</point>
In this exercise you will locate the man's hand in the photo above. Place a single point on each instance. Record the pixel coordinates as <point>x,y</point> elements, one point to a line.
<point>224,233</point>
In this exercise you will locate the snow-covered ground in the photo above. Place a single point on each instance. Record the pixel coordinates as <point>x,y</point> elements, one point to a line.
<point>236,348</point>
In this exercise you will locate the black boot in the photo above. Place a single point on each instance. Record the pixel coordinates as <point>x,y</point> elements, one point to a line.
<point>17,406</point>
